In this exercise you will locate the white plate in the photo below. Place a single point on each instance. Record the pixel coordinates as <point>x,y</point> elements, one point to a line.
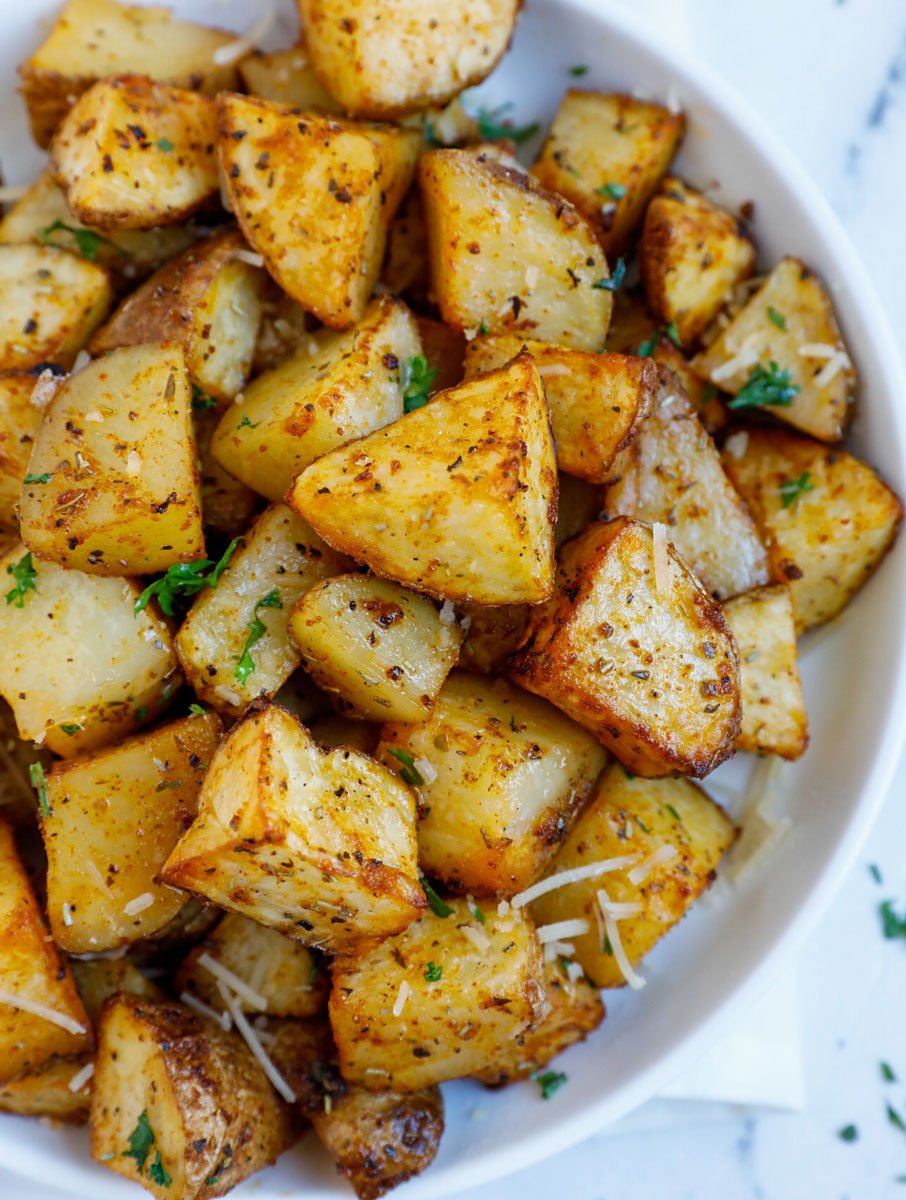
<point>703,974</point>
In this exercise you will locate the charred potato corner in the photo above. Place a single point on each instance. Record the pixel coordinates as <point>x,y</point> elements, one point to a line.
<point>402,517</point>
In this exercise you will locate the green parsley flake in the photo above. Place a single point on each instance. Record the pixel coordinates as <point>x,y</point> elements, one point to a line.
<point>483,328</point>
<point>670,809</point>
<point>158,1173</point>
<point>549,1082</point>
<point>433,972</point>
<point>776,318</point>
<point>792,489</point>
<point>245,664</point>
<point>437,906</point>
<point>892,926</point>
<point>71,730</point>
<point>578,71</point>
<point>39,782</point>
<point>141,1139</point>
<point>165,144</point>
<point>478,914</point>
<point>616,279</point>
<point>201,401</point>
<point>416,378</point>
<point>24,576</point>
<point>613,191</point>
<point>38,478</point>
<point>245,423</point>
<point>196,710</point>
<point>849,1133</point>
<point>183,580</point>
<point>410,771</point>
<point>141,713</point>
<point>771,388</point>
<point>887,1072</point>
<point>430,136</point>
<point>894,1119</point>
<point>87,241</point>
<point>875,872</point>
<point>673,334</point>
<point>646,348</point>
<point>493,128</point>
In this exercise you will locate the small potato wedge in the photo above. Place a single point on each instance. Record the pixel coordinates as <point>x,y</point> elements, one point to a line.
<point>288,77</point>
<point>633,648</point>
<point>47,1091</point>
<point>19,422</point>
<point>405,269</point>
<point>456,499</point>
<point>97,979</point>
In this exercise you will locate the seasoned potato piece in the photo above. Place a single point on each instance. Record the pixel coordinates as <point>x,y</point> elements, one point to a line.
<point>208,302</point>
<point>399,1011</point>
<point>97,979</point>
<point>285,329</point>
<point>95,38</point>
<point>633,648</point>
<point>134,153</point>
<point>597,402</point>
<point>774,719</point>
<point>692,253</point>
<point>672,473</point>
<point>112,669</point>
<point>52,303</point>
<point>445,350</point>
<point>826,518</point>
<point>406,259</point>
<point>283,973</point>
<point>52,1020</point>
<point>112,484</point>
<point>113,819</point>
<point>227,505</point>
<point>18,799</point>
<point>491,635</point>
<point>330,732</point>
<point>319,845</point>
<point>702,395</point>
<point>501,776</point>
<point>607,153</point>
<point>456,499</point>
<point>340,387</point>
<point>192,924</point>
<point>508,257</point>
<point>234,643</point>
<point>403,56</point>
<point>631,325</point>
<point>19,422</point>
<point>187,1099</point>
<point>670,837</point>
<point>46,1091</point>
<point>783,352</point>
<point>288,77</point>
<point>575,1012</point>
<point>382,649</point>
<point>578,504</point>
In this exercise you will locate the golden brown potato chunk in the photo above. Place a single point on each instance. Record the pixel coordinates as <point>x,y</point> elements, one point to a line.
<point>491,635</point>
<point>337,387</point>
<point>288,77</point>
<point>319,845</point>
<point>97,979</point>
<point>234,644</point>
<point>112,483</point>
<point>178,1104</point>
<point>404,55</point>
<point>113,819</point>
<point>508,257</point>
<point>825,517</point>
<point>774,720</point>
<point>659,842</point>
<point>333,731</point>
<point>672,474</point>
<point>598,402</point>
<point>95,38</point>
<point>52,303</point>
<point>380,648</point>
<point>456,499</point>
<point>46,1091</point>
<point>113,669</point>
<point>783,353</point>
<point>500,776</point>
<point>19,422</point>
<point>51,1020</point>
<point>607,153</point>
<point>134,153</point>
<point>692,253</point>
<point>633,648</point>
<point>399,1011</point>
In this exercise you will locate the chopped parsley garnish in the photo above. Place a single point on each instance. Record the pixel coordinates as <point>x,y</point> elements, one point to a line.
<point>165,144</point>
<point>141,1143</point>
<point>478,914</point>
<point>88,242</point>
<point>646,348</point>
<point>416,378</point>
<point>38,478</point>
<point>628,774</point>
<point>887,1072</point>
<point>483,328</point>
<point>141,713</point>
<point>196,710</point>
<point>892,926</point>
<point>201,401</point>
<point>606,946</point>
<point>71,730</point>
<point>158,1173</point>
<point>245,423</point>
<point>770,387</point>
<point>492,127</point>
<point>875,872</point>
<point>894,1119</point>
<point>433,972</point>
<point>616,279</point>
<point>257,629</point>
<point>613,191</point>
<point>513,725</point>
<point>183,580</point>
<point>549,1082</point>
<point>776,318</point>
<point>578,71</point>
<point>792,489</point>
<point>672,333</point>
<point>437,906</point>
<point>849,1133</point>
<point>39,783</point>
<point>24,576</point>
<point>430,136</point>
<point>410,771</point>
<point>670,809</point>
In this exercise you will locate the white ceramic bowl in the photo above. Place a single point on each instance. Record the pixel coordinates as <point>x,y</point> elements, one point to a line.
<point>704,974</point>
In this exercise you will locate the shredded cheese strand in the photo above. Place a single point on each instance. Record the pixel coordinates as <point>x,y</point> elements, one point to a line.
<point>657,858</point>
<point>231,52</point>
<point>573,875</point>
<point>36,1009</point>
<point>563,929</point>
<point>232,981</point>
<point>223,1019</point>
<point>611,928</point>
<point>80,1078</point>
<point>251,1039</point>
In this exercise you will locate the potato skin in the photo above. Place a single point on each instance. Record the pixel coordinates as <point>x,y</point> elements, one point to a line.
<point>655,676</point>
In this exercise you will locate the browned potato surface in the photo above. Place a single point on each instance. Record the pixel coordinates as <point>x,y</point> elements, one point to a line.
<point>97,979</point>
<point>288,77</point>
<point>46,1091</point>
<point>491,635</point>
<point>19,422</point>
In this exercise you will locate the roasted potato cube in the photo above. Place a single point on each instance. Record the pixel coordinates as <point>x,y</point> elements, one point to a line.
<point>607,153</point>
<point>112,820</point>
<point>672,474</point>
<point>112,484</point>
<point>783,352</point>
<point>445,350</point>
<point>19,422</point>
<point>208,302</point>
<point>383,650</point>
<point>227,505</point>
<point>52,303</point>
<point>456,499</point>
<point>97,979</point>
<point>187,1100</point>
<point>575,1011</point>
<point>403,56</point>
<point>234,644</point>
<point>826,518</point>
<point>46,1091</point>
<point>333,731</point>
<point>508,257</point>
<point>491,635</point>
<point>288,77</point>
<point>341,387</point>
<point>112,669</point>
<point>439,1001</point>
<point>319,845</point>
<point>774,719</point>
<point>670,837</point>
<point>501,776</point>
<point>284,974</point>
<point>633,648</point>
<point>598,402</point>
<point>692,253</point>
<point>51,1020</point>
<point>95,38</point>
<point>406,258</point>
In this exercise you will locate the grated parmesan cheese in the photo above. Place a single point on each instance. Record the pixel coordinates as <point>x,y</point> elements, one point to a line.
<point>554,950</point>
<point>574,972</point>
<point>134,463</point>
<point>746,357</point>
<point>479,940</point>
<point>139,904</point>
<point>834,366</point>
<point>80,1078</point>
<point>657,858</point>
<point>575,927</point>
<point>254,1044</point>
<point>818,350</point>
<point>41,1010</point>
<point>224,1020</point>
<point>549,370</point>
<point>447,613</point>
<point>45,386</point>
<point>231,52</point>
<point>737,444</point>
<point>661,566</point>
<point>82,359</point>
<point>226,976</point>
<point>67,915</point>
<point>250,257</point>
<point>425,769</point>
<point>612,929</point>
<point>531,277</point>
<point>573,875</point>
<point>401,997</point>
